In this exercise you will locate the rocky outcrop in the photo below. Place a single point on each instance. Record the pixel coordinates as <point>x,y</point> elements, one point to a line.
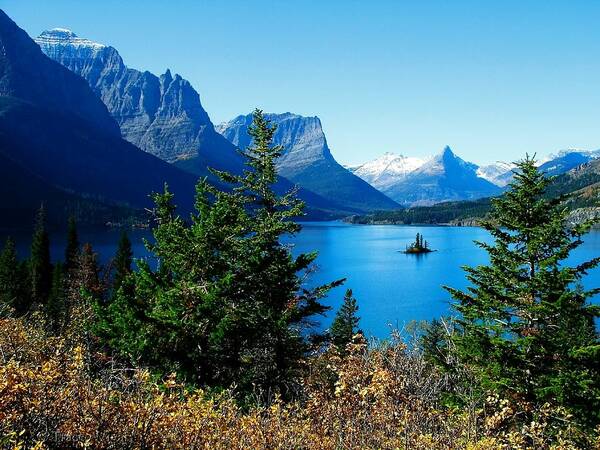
<point>307,161</point>
<point>162,115</point>
<point>581,215</point>
<point>302,139</point>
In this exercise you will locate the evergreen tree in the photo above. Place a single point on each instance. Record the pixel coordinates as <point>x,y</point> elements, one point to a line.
<point>56,309</point>
<point>434,343</point>
<point>527,329</point>
<point>40,267</point>
<point>12,292</point>
<point>72,248</point>
<point>123,261</point>
<point>225,305</point>
<point>88,273</point>
<point>345,324</point>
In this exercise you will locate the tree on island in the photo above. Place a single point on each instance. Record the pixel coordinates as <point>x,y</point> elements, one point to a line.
<point>526,328</point>
<point>419,246</point>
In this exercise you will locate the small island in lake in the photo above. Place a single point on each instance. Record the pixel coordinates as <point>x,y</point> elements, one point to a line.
<point>419,246</point>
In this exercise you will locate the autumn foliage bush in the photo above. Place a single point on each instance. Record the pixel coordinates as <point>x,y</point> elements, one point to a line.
<point>57,392</point>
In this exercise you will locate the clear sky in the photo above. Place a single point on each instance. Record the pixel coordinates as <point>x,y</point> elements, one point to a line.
<point>492,79</point>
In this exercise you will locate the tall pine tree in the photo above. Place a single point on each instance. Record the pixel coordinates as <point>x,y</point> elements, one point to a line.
<point>72,248</point>
<point>226,305</point>
<point>56,308</point>
<point>123,261</point>
<point>40,267</point>
<point>13,297</point>
<point>527,328</point>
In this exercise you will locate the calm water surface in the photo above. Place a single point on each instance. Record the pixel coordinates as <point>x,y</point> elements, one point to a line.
<point>392,288</point>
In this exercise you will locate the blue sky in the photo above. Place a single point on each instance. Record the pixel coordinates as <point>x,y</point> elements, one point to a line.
<point>491,79</point>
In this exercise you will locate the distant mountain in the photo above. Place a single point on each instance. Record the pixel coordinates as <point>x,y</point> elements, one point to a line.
<point>162,115</point>
<point>554,164</point>
<point>499,173</point>
<point>54,128</point>
<point>307,161</point>
<point>387,170</point>
<point>445,177</point>
<point>412,181</point>
<point>566,160</point>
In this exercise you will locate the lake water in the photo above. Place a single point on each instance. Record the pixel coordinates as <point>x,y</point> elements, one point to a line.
<point>392,288</point>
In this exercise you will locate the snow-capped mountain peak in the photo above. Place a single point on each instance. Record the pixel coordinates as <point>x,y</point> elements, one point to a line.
<point>64,36</point>
<point>387,169</point>
<point>499,173</point>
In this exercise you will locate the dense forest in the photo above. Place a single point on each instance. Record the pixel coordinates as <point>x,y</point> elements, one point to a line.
<point>217,346</point>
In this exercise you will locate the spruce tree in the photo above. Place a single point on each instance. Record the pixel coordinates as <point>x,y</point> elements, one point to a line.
<point>72,247</point>
<point>527,328</point>
<point>123,261</point>
<point>88,273</point>
<point>12,295</point>
<point>40,267</point>
<point>345,324</point>
<point>56,309</point>
<point>434,341</point>
<point>226,305</point>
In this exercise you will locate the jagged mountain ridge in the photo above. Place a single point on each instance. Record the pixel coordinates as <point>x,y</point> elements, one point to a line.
<point>390,173</point>
<point>162,114</point>
<point>307,160</point>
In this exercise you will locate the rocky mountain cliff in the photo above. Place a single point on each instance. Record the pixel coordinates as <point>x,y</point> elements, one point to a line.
<point>162,115</point>
<point>307,160</point>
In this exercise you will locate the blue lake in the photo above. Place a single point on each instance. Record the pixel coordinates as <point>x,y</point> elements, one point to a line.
<point>392,288</point>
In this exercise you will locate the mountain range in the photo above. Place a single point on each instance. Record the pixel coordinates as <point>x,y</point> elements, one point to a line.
<point>163,115</point>
<point>579,186</point>
<point>446,177</point>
